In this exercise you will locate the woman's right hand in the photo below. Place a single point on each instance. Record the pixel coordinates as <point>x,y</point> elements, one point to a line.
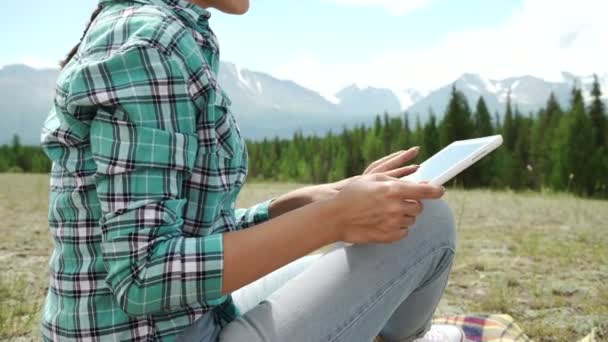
<point>377,208</point>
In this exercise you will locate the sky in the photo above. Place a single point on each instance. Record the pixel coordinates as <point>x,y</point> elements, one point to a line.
<point>328,44</point>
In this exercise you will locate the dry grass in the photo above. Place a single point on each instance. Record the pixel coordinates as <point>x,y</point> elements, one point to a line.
<point>541,258</point>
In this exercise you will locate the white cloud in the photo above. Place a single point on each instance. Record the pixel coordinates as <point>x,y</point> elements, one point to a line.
<point>541,38</point>
<point>395,7</point>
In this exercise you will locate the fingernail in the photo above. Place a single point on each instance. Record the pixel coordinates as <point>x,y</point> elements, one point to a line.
<point>415,166</point>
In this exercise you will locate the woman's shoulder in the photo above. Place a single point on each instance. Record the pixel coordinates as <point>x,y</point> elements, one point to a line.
<point>122,26</point>
<point>121,36</point>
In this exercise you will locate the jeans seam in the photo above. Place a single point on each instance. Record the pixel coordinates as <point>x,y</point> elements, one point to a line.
<point>417,335</point>
<point>389,286</point>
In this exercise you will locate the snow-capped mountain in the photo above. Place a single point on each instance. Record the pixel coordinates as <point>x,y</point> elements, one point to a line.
<point>257,100</point>
<point>409,96</point>
<point>528,93</point>
<point>353,99</point>
<point>266,106</point>
<point>255,92</point>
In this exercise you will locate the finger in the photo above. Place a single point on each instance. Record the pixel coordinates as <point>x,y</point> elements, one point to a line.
<point>407,221</point>
<point>396,235</point>
<point>391,161</point>
<point>410,190</point>
<point>385,158</point>
<point>412,207</point>
<point>397,160</point>
<point>403,171</point>
<point>381,160</point>
<point>419,204</point>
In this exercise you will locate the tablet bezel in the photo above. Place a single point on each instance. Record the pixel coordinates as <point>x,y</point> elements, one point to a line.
<point>491,144</point>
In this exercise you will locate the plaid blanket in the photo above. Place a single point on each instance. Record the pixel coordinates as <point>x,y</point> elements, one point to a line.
<point>492,328</point>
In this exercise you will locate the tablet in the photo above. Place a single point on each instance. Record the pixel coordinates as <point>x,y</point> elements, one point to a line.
<point>453,159</point>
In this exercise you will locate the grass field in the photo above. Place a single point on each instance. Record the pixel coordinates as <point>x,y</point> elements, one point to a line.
<point>541,258</point>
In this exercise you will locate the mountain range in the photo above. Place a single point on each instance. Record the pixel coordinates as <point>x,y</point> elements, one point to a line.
<point>266,106</point>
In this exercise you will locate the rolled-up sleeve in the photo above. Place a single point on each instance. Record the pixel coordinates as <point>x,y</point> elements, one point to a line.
<point>144,142</point>
<point>254,215</point>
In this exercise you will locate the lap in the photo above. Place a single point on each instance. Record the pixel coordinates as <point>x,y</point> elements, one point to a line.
<point>252,294</point>
<point>350,293</point>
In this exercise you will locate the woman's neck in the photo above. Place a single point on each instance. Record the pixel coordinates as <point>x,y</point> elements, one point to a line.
<point>226,6</point>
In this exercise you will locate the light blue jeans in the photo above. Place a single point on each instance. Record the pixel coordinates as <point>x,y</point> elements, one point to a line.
<point>348,294</point>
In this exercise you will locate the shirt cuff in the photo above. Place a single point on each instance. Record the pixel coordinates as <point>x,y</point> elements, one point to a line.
<point>256,214</point>
<point>203,266</point>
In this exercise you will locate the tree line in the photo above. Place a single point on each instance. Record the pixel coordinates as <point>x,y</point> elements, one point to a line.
<point>560,149</point>
<point>17,158</point>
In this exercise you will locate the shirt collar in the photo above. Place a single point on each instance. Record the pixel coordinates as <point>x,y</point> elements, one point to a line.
<point>184,9</point>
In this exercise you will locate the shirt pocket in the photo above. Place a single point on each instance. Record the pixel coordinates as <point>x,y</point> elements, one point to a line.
<point>219,171</point>
<point>231,148</point>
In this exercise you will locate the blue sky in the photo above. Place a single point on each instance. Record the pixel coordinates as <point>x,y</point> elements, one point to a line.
<point>326,44</point>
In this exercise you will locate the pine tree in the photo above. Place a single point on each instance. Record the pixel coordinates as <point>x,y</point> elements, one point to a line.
<point>372,147</point>
<point>597,111</point>
<point>523,175</point>
<point>509,164</point>
<point>456,123</point>
<point>542,140</point>
<point>418,133</point>
<point>377,125</point>
<point>572,150</point>
<point>483,121</point>
<point>599,159</point>
<point>430,137</point>
<point>386,134</point>
<point>508,128</point>
<point>481,172</point>
<point>396,128</point>
<point>406,133</point>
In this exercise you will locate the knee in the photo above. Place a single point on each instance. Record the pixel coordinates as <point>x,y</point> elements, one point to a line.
<point>436,223</point>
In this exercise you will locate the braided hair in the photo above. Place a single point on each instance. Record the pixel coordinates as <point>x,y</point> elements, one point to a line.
<point>72,52</point>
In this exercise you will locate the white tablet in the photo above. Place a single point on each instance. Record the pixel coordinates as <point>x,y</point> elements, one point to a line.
<point>453,159</point>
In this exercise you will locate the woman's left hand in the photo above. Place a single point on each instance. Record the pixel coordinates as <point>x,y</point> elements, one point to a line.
<point>390,165</point>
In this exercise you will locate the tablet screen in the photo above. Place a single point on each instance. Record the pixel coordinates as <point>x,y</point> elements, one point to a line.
<point>445,159</point>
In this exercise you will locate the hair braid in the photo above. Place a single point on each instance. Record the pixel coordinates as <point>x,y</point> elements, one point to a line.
<point>75,48</point>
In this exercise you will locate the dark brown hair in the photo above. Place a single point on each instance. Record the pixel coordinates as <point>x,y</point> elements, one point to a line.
<point>75,48</point>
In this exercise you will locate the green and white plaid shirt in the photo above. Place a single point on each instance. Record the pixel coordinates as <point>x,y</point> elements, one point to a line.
<point>147,163</point>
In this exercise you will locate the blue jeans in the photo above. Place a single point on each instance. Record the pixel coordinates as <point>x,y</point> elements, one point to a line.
<point>348,294</point>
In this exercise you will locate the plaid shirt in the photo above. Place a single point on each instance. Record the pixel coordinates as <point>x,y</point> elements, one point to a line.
<point>147,163</point>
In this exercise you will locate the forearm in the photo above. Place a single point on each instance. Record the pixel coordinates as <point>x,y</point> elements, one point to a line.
<point>290,201</point>
<point>252,253</point>
<point>304,196</point>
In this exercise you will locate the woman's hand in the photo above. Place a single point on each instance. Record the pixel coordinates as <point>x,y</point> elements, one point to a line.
<point>379,208</point>
<point>390,165</point>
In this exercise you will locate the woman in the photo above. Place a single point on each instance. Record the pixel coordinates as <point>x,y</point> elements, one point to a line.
<point>147,164</point>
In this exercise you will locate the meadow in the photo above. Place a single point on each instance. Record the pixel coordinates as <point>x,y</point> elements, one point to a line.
<point>539,257</point>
